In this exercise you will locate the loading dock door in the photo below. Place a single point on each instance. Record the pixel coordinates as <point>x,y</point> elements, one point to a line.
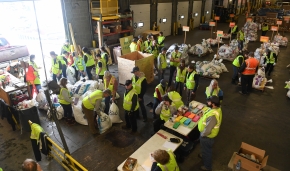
<point>182,11</point>
<point>141,17</point>
<point>208,6</point>
<point>196,11</point>
<point>164,14</point>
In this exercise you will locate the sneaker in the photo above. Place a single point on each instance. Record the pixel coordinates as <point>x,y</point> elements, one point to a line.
<point>204,168</point>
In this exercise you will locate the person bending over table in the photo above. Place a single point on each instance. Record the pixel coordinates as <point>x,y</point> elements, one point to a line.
<point>163,161</point>
<point>165,110</point>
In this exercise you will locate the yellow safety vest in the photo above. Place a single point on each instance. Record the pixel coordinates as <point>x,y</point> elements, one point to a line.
<point>160,39</point>
<point>270,60</point>
<point>165,114</point>
<point>133,47</point>
<point>202,122</point>
<point>175,56</point>
<point>154,51</point>
<point>60,97</point>
<point>141,44</point>
<point>90,100</point>
<point>180,75</point>
<point>265,28</point>
<point>161,91</point>
<point>110,86</point>
<point>215,92</point>
<point>66,48</point>
<point>37,78</point>
<point>103,57</point>
<point>236,61</point>
<point>137,84</point>
<point>234,29</point>
<point>171,165</point>
<point>80,63</point>
<point>55,67</point>
<point>162,60</point>
<point>60,58</point>
<point>241,35</point>
<point>103,69</point>
<point>147,43</point>
<point>90,60</point>
<point>128,100</point>
<point>190,83</point>
<point>176,99</point>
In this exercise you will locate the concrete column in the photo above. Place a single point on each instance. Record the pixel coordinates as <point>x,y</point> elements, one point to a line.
<point>174,14</point>
<point>202,9</point>
<point>190,8</point>
<point>153,13</point>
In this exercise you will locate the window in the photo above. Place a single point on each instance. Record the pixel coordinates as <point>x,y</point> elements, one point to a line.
<point>182,17</point>
<point>195,14</point>
<point>140,24</point>
<point>164,20</point>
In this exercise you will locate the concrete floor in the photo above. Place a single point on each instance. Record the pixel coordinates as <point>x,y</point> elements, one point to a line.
<point>259,119</point>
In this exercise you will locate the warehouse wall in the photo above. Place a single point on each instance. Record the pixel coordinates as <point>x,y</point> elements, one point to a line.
<point>77,13</point>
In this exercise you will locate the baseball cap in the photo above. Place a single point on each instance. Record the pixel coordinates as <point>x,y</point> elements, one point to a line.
<point>52,53</point>
<point>128,82</point>
<point>164,49</point>
<point>163,82</point>
<point>214,99</point>
<point>135,69</point>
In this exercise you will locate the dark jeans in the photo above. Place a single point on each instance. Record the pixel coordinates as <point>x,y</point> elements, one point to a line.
<point>235,75</point>
<point>264,33</point>
<point>155,63</point>
<point>67,110</point>
<point>190,96</point>
<point>172,70</point>
<point>206,151</point>
<point>64,71</point>
<point>241,45</point>
<point>36,151</point>
<point>89,72</point>
<point>131,121</point>
<point>180,85</point>
<point>156,103</point>
<point>161,74</point>
<point>157,124</point>
<point>107,103</point>
<point>143,109</point>
<point>37,86</point>
<point>247,81</point>
<point>76,72</point>
<point>55,78</point>
<point>269,68</point>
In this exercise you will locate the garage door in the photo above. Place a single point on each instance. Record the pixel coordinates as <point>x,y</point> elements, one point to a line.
<point>141,18</point>
<point>182,13</point>
<point>196,12</point>
<point>164,17</point>
<point>207,9</point>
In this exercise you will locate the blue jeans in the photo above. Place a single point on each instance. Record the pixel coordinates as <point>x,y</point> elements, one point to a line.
<point>107,104</point>
<point>64,71</point>
<point>206,151</point>
<point>235,75</point>
<point>241,45</point>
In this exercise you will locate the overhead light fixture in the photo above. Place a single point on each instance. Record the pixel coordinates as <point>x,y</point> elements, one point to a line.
<point>140,24</point>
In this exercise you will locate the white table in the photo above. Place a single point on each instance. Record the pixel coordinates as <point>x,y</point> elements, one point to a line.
<point>183,130</point>
<point>156,142</point>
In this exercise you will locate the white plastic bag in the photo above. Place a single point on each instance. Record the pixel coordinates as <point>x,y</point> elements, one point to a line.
<point>59,113</point>
<point>41,99</point>
<point>104,122</point>
<point>114,113</point>
<point>101,85</point>
<point>70,73</point>
<point>78,114</point>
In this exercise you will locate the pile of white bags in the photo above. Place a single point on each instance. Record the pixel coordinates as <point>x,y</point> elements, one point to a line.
<point>26,104</point>
<point>260,80</point>
<point>183,49</point>
<point>282,41</point>
<point>41,99</point>
<point>59,112</point>
<point>260,55</point>
<point>211,69</point>
<point>214,41</point>
<point>200,49</point>
<point>80,87</point>
<point>288,87</point>
<point>114,113</point>
<point>250,31</point>
<point>229,52</point>
<point>70,74</point>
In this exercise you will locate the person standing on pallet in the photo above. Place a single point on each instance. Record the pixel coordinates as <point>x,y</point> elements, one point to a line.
<point>241,39</point>
<point>90,62</point>
<point>174,62</point>
<point>111,83</point>
<point>160,42</point>
<point>161,63</point>
<point>180,76</point>
<point>140,44</point>
<point>140,85</point>
<point>105,56</point>
<point>159,92</point>
<point>192,82</point>
<point>237,63</point>
<point>92,103</point>
<point>131,106</point>
<point>209,126</point>
<point>133,45</point>
<point>56,67</point>
<point>271,60</point>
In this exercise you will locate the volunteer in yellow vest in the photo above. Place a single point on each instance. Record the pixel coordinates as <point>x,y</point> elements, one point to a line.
<point>139,82</point>
<point>180,76</point>
<point>164,161</point>
<point>90,62</point>
<point>174,62</point>
<point>63,60</point>
<point>101,67</point>
<point>153,49</point>
<point>270,61</point>
<point>165,111</point>
<point>93,102</point>
<point>159,92</point>
<point>160,41</point>
<point>162,63</point>
<point>140,44</point>
<point>65,101</point>
<point>130,106</point>
<point>133,45</point>
<point>175,98</point>
<point>214,90</point>
<point>36,82</point>
<point>248,70</point>
<point>79,65</point>
<point>192,81</point>
<point>209,125</point>
<point>105,56</point>
<point>147,43</point>
<point>66,47</point>
<point>111,83</point>
<point>56,67</point>
<point>234,31</point>
<point>265,28</point>
<point>237,63</point>
<point>241,39</point>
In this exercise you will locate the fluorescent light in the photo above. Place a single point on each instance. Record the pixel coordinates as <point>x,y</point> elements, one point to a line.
<point>164,20</point>
<point>140,24</point>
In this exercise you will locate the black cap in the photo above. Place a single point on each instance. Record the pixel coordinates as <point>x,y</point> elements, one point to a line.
<point>215,100</point>
<point>52,53</point>
<point>135,69</point>
<point>128,82</point>
<point>163,83</point>
<point>164,49</point>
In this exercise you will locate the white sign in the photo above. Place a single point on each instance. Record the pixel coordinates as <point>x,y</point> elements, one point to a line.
<point>185,28</point>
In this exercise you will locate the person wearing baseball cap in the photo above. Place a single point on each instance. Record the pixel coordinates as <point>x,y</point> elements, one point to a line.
<point>130,106</point>
<point>209,125</point>
<point>140,85</point>
<point>162,63</point>
<point>66,47</point>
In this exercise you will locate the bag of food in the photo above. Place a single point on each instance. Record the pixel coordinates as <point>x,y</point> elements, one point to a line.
<point>114,113</point>
<point>104,122</point>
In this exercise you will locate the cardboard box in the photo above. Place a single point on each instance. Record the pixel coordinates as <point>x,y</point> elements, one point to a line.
<point>127,62</point>
<point>105,30</point>
<point>249,164</point>
<point>116,29</point>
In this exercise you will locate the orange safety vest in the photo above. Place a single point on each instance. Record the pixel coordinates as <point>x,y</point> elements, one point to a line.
<point>30,77</point>
<point>251,65</point>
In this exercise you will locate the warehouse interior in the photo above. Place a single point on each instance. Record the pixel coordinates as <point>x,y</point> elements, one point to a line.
<point>259,118</point>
